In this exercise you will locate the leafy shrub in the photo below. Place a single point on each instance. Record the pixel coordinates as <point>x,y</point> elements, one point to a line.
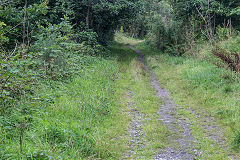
<point>89,40</point>
<point>221,33</point>
<point>232,45</point>
<point>14,78</point>
<point>52,56</point>
<point>51,50</point>
<point>3,39</point>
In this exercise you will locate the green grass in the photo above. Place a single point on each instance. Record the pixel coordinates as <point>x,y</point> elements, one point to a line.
<point>133,78</point>
<point>144,97</point>
<point>197,84</point>
<point>122,38</point>
<point>87,117</point>
<point>75,125</point>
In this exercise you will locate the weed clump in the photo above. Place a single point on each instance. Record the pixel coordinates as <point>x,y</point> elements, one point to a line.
<point>236,142</point>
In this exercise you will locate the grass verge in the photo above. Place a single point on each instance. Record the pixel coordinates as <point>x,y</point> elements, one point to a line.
<point>75,120</point>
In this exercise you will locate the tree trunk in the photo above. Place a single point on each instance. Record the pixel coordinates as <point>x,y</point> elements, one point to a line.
<point>24,25</point>
<point>88,14</point>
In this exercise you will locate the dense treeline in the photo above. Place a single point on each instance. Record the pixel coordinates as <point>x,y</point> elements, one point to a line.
<point>42,39</point>
<point>176,26</point>
<point>43,44</point>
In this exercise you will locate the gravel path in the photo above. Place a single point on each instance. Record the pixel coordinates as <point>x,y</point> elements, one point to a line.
<point>181,141</point>
<point>180,137</point>
<point>135,130</point>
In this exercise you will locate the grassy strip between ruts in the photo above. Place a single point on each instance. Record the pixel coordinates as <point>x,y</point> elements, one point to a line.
<point>135,79</point>
<point>202,88</point>
<point>154,132</point>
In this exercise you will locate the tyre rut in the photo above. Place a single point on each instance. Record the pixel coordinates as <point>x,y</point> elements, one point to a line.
<point>180,138</point>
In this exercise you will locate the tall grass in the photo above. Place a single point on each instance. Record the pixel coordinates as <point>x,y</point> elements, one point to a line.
<point>68,123</point>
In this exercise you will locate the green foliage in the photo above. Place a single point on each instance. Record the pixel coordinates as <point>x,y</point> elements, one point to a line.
<point>3,39</point>
<point>221,33</point>
<point>165,32</point>
<point>232,45</point>
<point>54,47</point>
<point>12,76</point>
<point>236,11</point>
<point>12,14</point>
<point>178,26</point>
<point>62,115</point>
<point>41,49</point>
<point>102,17</point>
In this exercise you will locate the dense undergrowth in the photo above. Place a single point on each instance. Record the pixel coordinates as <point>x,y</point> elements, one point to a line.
<point>56,78</point>
<point>60,120</point>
